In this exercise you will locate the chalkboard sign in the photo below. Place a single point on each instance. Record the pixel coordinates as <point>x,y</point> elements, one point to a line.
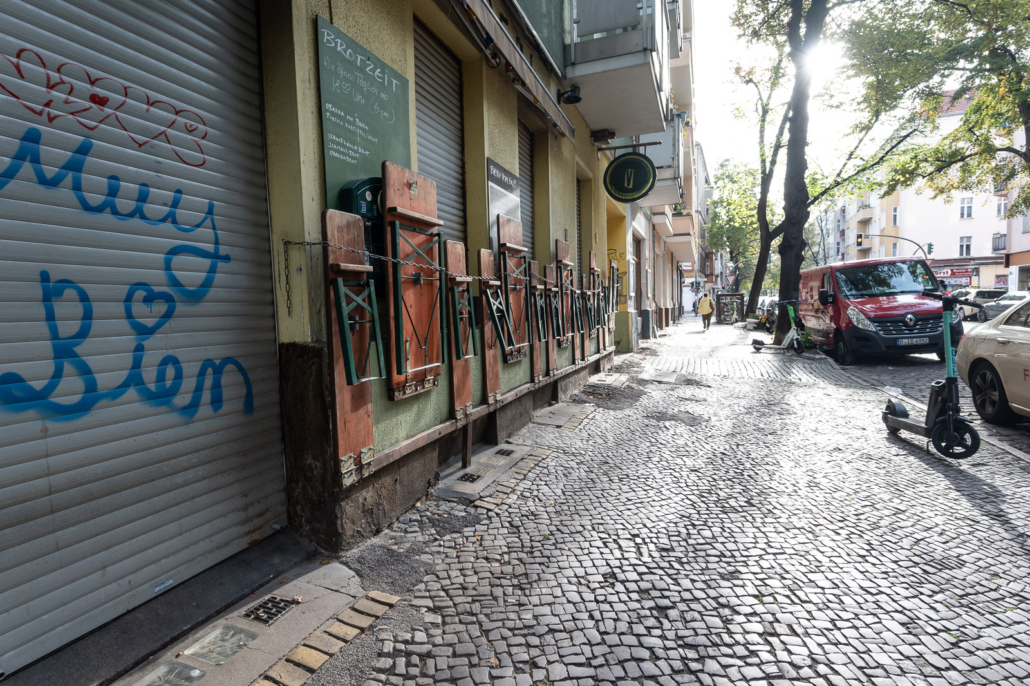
<point>364,112</point>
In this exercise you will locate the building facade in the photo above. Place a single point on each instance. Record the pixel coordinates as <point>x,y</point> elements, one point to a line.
<point>177,380</point>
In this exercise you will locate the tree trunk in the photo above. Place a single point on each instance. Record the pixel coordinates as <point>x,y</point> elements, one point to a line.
<point>795,188</point>
<point>761,267</point>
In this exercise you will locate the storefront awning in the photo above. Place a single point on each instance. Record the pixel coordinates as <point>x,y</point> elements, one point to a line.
<point>495,42</point>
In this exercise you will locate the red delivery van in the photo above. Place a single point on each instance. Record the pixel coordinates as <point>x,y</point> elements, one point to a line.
<point>874,308</point>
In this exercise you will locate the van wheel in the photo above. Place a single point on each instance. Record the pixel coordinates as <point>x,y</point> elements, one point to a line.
<point>989,398</point>
<point>841,351</point>
<point>981,316</point>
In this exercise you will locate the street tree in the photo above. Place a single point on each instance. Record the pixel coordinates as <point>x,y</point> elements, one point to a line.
<point>979,48</point>
<point>886,121</point>
<point>767,83</point>
<point>733,216</point>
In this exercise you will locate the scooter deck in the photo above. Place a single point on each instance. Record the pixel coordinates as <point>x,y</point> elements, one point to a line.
<point>908,425</point>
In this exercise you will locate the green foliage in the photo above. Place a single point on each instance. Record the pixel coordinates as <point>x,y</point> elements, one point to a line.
<point>983,46</point>
<point>733,217</point>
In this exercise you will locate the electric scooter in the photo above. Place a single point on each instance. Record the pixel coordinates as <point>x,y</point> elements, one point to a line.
<point>952,434</point>
<point>792,341</point>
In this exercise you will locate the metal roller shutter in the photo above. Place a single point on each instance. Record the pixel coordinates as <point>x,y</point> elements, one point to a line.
<point>139,410</point>
<point>439,128</point>
<point>579,229</point>
<point>526,185</point>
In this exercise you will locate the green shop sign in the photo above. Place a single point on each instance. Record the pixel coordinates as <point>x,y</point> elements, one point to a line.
<point>364,112</point>
<point>629,177</point>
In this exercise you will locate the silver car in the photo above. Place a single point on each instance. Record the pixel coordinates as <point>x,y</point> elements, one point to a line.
<point>992,309</point>
<point>977,295</point>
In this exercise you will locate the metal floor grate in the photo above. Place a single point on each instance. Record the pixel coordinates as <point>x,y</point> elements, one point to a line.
<point>504,451</point>
<point>470,478</point>
<point>269,610</point>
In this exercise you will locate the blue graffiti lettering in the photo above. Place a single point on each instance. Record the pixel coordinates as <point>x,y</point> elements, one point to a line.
<point>29,152</point>
<point>18,395</point>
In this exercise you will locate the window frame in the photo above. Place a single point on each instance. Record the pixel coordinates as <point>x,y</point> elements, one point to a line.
<point>894,215</point>
<point>965,208</point>
<point>965,246</point>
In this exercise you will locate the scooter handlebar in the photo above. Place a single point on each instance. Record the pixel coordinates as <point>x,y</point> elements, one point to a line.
<point>951,300</point>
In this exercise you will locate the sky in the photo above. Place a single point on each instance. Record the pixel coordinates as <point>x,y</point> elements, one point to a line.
<point>718,94</point>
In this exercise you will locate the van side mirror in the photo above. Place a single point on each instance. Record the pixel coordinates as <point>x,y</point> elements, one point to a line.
<point>825,297</point>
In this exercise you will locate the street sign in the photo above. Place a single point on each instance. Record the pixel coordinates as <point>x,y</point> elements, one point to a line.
<point>629,177</point>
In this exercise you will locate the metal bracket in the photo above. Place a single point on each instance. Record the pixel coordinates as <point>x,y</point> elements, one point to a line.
<point>346,301</point>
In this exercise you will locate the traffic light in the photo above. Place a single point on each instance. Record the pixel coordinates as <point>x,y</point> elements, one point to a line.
<point>929,248</point>
<point>858,239</point>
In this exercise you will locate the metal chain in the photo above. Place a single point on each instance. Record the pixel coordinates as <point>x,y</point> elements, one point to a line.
<point>286,267</point>
<point>385,258</point>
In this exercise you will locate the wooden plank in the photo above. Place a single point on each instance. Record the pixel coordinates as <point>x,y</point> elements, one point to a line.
<point>351,405</point>
<point>491,340</point>
<point>461,370</point>
<point>416,310</point>
<point>550,275</point>
<point>416,217</point>
<point>513,262</point>
<point>535,347</point>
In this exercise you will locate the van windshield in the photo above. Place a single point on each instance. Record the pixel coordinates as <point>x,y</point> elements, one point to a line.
<point>889,278</point>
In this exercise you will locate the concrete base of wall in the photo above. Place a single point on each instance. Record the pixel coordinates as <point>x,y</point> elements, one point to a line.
<point>626,332</point>
<point>337,519</point>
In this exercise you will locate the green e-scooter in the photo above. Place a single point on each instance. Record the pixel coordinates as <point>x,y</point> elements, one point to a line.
<point>952,434</point>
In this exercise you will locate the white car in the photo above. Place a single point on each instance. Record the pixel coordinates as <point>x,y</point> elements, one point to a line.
<point>977,295</point>
<point>994,361</point>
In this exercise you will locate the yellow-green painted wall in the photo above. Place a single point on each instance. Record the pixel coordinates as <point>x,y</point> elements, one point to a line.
<point>491,110</point>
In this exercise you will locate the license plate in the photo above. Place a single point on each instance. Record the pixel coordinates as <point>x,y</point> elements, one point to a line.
<point>913,341</point>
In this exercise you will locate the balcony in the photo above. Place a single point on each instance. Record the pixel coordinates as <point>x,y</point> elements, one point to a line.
<point>1001,189</point>
<point>998,242</point>
<point>667,156</point>
<point>681,242</point>
<point>620,59</point>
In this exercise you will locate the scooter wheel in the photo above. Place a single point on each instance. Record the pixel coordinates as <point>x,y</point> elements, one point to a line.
<point>960,445</point>
<point>799,346</point>
<point>890,411</point>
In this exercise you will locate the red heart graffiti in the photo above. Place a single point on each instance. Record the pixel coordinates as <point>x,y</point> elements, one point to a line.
<point>185,137</point>
<point>105,95</point>
<point>26,78</point>
<point>145,120</point>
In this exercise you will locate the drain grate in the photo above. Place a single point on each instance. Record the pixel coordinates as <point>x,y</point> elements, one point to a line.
<point>269,610</point>
<point>470,478</point>
<point>504,451</point>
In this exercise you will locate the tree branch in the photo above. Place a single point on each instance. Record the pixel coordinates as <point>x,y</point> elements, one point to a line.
<point>863,169</point>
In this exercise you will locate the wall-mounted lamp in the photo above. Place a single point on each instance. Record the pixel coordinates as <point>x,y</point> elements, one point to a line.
<point>569,97</point>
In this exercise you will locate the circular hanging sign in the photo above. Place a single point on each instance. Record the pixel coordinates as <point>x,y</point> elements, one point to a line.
<point>630,177</point>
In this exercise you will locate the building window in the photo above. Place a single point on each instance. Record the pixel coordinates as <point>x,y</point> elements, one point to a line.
<point>965,209</point>
<point>894,246</point>
<point>838,247</point>
<point>894,216</point>
<point>1026,224</point>
<point>965,246</point>
<point>1003,207</point>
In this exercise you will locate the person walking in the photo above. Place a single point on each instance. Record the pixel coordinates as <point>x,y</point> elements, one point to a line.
<point>706,307</point>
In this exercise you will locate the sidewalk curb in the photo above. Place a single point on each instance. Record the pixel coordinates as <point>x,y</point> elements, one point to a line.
<point>984,435</point>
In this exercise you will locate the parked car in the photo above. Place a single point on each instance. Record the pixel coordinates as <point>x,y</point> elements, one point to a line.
<point>993,360</point>
<point>996,307</point>
<point>977,295</point>
<point>874,307</point>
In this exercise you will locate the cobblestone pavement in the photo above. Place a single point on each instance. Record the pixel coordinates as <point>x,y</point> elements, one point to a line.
<point>738,526</point>
<point>913,374</point>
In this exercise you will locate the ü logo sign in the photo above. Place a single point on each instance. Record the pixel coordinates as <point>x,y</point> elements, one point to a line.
<point>629,177</point>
